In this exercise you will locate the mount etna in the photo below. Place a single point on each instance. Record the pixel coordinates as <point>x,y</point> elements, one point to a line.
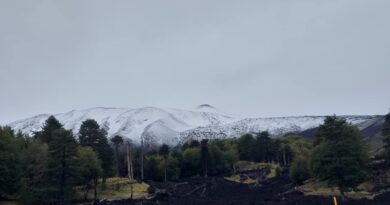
<point>176,126</point>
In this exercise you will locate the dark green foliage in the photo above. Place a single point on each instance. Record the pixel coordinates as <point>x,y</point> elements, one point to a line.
<point>62,167</point>
<point>190,163</point>
<point>105,154</point>
<point>331,130</point>
<point>152,169</point>
<point>164,151</point>
<point>91,135</point>
<point>245,146</point>
<point>49,166</point>
<point>218,157</point>
<point>173,168</point>
<point>51,125</point>
<point>89,165</point>
<point>295,147</point>
<point>286,153</point>
<point>386,126</point>
<point>117,141</point>
<point>10,171</point>
<point>204,156</point>
<point>340,156</point>
<point>222,156</point>
<point>191,144</point>
<point>300,149</point>
<point>122,160</point>
<point>89,169</point>
<point>263,148</point>
<point>34,163</point>
<point>299,170</point>
<point>299,146</point>
<point>136,162</point>
<point>156,167</point>
<point>45,170</point>
<point>386,138</point>
<point>151,190</point>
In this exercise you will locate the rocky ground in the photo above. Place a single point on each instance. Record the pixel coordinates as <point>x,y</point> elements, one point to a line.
<point>218,191</point>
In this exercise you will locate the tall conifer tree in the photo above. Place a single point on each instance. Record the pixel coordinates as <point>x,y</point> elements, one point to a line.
<point>386,138</point>
<point>340,156</point>
<point>90,134</point>
<point>51,125</point>
<point>61,168</point>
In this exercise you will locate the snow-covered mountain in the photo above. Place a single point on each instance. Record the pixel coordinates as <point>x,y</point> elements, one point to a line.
<point>277,126</point>
<point>157,125</point>
<point>173,126</point>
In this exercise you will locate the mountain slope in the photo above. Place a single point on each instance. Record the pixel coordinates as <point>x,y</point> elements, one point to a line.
<point>160,125</point>
<point>173,126</point>
<point>279,126</point>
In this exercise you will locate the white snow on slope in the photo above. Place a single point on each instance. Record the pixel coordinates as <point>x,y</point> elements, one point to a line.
<point>163,125</point>
<point>277,126</point>
<point>172,126</point>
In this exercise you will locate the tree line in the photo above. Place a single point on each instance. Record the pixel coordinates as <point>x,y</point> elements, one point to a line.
<point>46,167</point>
<point>339,155</point>
<point>219,156</point>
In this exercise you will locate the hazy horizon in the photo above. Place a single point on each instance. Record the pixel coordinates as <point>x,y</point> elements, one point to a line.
<point>250,58</point>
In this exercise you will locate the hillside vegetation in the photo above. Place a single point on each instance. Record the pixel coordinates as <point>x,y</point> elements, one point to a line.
<point>53,167</point>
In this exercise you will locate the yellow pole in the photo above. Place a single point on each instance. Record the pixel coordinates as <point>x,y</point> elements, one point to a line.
<point>334,200</point>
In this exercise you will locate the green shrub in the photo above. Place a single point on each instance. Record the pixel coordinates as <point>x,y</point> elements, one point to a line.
<point>151,190</point>
<point>299,170</point>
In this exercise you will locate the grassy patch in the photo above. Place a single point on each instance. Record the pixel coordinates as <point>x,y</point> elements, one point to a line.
<point>242,166</point>
<point>321,188</point>
<point>236,178</point>
<point>118,188</point>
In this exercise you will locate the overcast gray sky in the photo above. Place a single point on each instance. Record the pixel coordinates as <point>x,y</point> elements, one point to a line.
<point>255,58</point>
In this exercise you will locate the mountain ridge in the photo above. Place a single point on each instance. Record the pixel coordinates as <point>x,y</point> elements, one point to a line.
<point>175,126</point>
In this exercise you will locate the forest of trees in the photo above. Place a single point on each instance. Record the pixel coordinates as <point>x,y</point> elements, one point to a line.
<point>44,168</point>
<point>338,156</point>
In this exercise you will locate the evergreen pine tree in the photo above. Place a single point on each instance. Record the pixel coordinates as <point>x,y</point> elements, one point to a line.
<point>51,125</point>
<point>91,135</point>
<point>34,163</point>
<point>117,141</point>
<point>61,168</point>
<point>340,156</point>
<point>262,148</point>
<point>331,129</point>
<point>245,146</point>
<point>105,154</point>
<point>10,170</point>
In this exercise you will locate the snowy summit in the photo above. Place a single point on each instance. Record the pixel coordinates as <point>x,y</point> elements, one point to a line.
<point>173,126</point>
